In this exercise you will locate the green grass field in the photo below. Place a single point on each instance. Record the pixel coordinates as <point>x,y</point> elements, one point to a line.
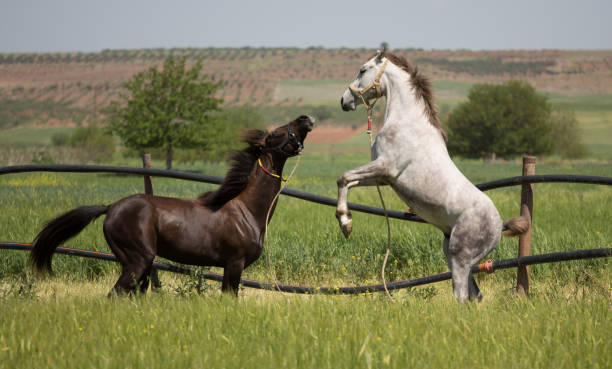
<point>67,321</point>
<point>28,136</point>
<point>261,331</point>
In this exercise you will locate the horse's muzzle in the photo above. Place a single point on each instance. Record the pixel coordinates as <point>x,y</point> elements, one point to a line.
<point>307,122</point>
<point>347,106</point>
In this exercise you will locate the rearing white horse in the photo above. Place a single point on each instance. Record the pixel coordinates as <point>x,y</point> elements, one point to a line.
<point>410,155</point>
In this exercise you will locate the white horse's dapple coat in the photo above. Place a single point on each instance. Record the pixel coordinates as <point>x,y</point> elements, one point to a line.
<point>410,155</point>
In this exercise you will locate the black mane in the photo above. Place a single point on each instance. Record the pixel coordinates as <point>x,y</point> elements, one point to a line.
<point>237,177</point>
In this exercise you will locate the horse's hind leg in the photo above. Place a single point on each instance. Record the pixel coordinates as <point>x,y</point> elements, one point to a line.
<point>144,280</point>
<point>135,252</point>
<point>473,290</point>
<point>134,276</point>
<point>470,241</point>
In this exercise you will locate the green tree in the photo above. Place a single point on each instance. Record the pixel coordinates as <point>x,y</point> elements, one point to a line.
<point>501,120</point>
<point>171,108</point>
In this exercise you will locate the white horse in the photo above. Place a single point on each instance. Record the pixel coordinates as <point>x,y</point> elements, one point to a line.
<point>410,155</point>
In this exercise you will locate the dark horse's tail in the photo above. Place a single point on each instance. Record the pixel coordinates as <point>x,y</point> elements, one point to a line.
<point>58,231</point>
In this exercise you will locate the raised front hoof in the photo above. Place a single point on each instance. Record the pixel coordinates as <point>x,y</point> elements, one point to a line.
<point>346,224</point>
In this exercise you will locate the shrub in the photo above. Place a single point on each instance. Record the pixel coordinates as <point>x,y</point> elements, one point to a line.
<point>97,144</point>
<point>60,139</point>
<point>322,112</point>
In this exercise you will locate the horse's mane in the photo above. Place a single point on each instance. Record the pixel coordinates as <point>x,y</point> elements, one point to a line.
<point>422,88</point>
<point>237,176</point>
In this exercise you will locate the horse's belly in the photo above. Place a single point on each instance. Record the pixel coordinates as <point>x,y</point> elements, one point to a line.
<point>190,258</point>
<point>189,246</point>
<point>430,208</point>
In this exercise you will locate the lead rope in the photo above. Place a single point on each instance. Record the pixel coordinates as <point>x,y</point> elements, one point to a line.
<point>266,248</point>
<point>382,201</point>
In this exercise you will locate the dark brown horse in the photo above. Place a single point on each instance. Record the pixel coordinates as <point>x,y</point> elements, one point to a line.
<point>223,228</point>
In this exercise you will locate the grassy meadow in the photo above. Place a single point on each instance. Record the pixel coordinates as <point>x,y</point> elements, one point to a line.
<point>67,321</point>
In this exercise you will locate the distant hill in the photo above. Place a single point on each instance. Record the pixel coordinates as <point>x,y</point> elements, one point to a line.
<point>70,88</point>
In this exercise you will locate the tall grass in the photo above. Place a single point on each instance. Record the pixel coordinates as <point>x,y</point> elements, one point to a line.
<point>255,331</point>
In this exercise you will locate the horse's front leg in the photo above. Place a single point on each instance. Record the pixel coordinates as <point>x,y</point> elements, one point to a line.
<point>231,276</point>
<point>370,174</point>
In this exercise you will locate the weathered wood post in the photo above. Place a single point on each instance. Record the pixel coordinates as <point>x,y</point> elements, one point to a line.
<point>148,188</point>
<point>522,276</point>
<point>148,184</point>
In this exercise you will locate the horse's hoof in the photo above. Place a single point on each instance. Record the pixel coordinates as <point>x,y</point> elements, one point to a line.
<point>346,225</point>
<point>477,298</point>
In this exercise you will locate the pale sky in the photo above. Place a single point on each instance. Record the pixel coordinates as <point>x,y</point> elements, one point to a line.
<point>84,25</point>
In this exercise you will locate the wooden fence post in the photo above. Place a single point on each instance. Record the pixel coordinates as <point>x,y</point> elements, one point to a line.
<point>522,274</point>
<point>148,184</point>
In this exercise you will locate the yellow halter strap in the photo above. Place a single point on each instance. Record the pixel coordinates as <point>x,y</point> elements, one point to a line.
<point>270,173</point>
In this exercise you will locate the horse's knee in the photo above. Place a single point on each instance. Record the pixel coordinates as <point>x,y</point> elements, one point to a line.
<point>342,180</point>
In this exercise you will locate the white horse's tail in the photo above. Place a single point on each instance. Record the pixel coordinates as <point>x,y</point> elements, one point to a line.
<point>515,226</point>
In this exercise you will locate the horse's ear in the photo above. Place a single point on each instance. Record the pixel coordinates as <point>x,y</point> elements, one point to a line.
<point>381,54</point>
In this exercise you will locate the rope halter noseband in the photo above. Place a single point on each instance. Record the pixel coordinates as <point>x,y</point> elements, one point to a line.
<point>375,85</point>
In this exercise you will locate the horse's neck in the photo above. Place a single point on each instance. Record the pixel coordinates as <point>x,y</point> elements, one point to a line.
<point>404,110</point>
<point>261,190</point>
<point>412,138</point>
